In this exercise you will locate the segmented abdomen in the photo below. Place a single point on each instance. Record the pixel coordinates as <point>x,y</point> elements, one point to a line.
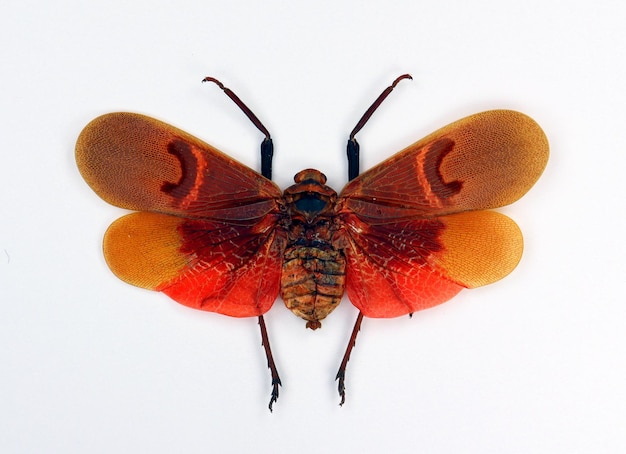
<point>312,281</point>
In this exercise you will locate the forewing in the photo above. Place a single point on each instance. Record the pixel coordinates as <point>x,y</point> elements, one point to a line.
<point>139,163</point>
<point>207,232</point>
<point>486,160</point>
<point>399,268</point>
<point>213,266</point>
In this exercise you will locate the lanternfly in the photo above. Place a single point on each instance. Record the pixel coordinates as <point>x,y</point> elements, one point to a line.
<point>404,236</point>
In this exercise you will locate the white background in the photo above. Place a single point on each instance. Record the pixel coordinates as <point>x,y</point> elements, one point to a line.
<point>534,363</point>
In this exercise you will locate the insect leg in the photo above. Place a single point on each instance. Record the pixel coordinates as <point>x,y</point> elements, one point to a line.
<point>353,145</point>
<point>353,172</point>
<point>341,373</point>
<point>270,362</point>
<point>353,158</point>
<point>267,147</point>
<point>267,152</point>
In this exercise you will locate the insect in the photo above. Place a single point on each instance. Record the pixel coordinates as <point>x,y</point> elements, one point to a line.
<point>404,236</point>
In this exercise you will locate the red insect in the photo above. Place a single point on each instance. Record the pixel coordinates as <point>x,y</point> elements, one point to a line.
<point>406,235</point>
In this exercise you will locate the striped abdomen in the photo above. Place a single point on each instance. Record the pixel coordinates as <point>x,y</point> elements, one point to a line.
<point>314,272</point>
<point>312,281</point>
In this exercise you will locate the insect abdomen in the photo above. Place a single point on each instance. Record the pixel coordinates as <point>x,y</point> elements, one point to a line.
<point>312,282</point>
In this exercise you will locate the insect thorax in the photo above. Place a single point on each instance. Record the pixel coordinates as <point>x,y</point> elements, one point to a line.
<point>313,275</point>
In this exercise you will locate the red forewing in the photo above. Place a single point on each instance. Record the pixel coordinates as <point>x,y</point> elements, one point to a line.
<point>206,235</point>
<point>410,231</point>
